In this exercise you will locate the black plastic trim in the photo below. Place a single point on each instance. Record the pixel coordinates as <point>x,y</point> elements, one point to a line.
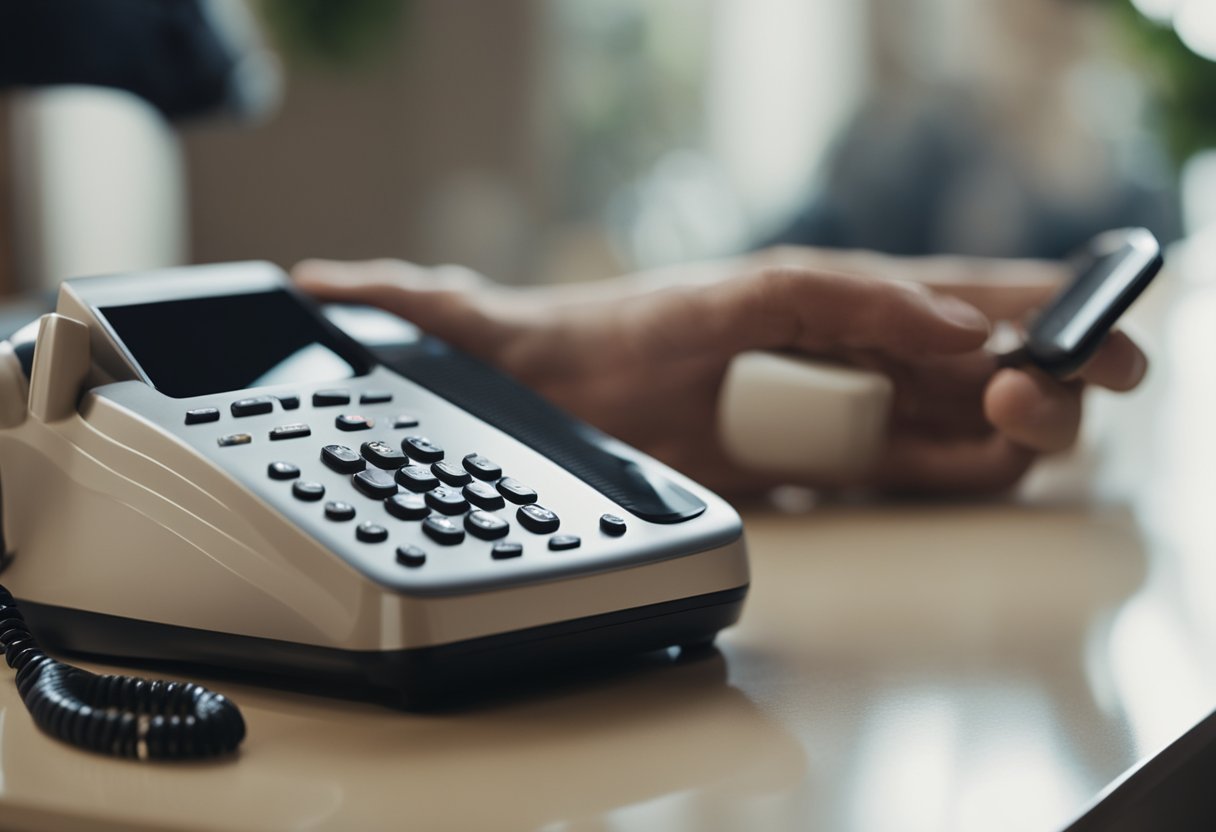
<point>421,677</point>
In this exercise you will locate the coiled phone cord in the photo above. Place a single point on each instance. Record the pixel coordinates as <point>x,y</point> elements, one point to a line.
<point>119,715</point>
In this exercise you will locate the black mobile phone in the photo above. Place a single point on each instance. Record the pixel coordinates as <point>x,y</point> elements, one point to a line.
<point>1168,792</point>
<point>1110,274</point>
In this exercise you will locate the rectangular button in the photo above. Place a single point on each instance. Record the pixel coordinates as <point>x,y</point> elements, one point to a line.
<point>252,407</point>
<point>329,398</point>
<point>289,402</point>
<point>290,431</point>
<point>234,439</point>
<point>202,414</point>
<point>375,397</point>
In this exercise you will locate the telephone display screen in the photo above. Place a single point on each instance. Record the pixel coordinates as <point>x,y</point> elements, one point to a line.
<point>198,346</point>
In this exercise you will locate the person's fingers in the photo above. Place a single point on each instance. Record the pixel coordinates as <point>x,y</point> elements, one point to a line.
<point>1117,365</point>
<point>938,395</point>
<point>975,466</point>
<point>438,300</point>
<point>1009,300</point>
<point>817,312</point>
<point>1034,410</point>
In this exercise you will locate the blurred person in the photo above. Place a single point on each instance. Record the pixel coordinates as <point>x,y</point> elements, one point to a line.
<point>995,128</point>
<point>642,357</point>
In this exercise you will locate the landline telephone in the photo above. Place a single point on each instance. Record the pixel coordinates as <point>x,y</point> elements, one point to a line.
<point>199,467</point>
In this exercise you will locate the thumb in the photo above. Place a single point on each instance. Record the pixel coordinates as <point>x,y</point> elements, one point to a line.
<point>442,301</point>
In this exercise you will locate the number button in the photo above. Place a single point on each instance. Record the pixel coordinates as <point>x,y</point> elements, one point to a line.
<point>442,530</point>
<point>342,459</point>
<point>382,455</point>
<point>421,449</point>
<point>538,519</point>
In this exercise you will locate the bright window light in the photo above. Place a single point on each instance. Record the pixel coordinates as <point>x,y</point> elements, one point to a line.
<point>1195,23</point>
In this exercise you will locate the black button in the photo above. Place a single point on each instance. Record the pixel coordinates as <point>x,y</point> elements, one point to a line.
<point>282,471</point>
<point>516,491</point>
<point>482,468</point>
<point>611,524</point>
<point>407,506</point>
<point>371,533</point>
<point>405,421</point>
<point>289,401</point>
<point>421,449</point>
<point>417,478</point>
<point>353,421</point>
<point>450,474</point>
<point>447,500</point>
<point>562,542</point>
<point>202,414</point>
<point>307,491</point>
<point>252,407</point>
<point>337,510</point>
<point>330,398</point>
<point>383,455</point>
<point>291,431</point>
<point>342,459</point>
<point>234,439</point>
<point>485,525</point>
<point>442,530</point>
<point>375,483</point>
<point>537,519</point>
<point>375,397</point>
<point>506,549</point>
<point>410,556</point>
<point>483,495</point>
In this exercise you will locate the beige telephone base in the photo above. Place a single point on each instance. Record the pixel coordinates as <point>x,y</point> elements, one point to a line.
<point>794,416</point>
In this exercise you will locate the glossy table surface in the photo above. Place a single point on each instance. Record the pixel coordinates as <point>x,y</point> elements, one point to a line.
<point>899,666</point>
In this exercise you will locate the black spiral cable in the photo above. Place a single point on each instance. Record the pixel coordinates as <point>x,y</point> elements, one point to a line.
<point>118,715</point>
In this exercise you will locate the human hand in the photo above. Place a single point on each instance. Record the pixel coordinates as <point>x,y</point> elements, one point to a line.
<point>646,366</point>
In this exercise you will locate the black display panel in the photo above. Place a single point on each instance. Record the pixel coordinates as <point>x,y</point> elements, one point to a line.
<point>198,346</point>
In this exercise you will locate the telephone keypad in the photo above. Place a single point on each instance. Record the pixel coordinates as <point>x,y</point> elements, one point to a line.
<point>453,501</point>
<point>342,459</point>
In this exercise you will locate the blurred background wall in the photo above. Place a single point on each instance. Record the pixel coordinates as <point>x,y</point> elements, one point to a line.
<point>557,140</point>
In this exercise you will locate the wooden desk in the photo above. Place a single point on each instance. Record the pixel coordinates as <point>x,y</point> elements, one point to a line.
<point>937,667</point>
